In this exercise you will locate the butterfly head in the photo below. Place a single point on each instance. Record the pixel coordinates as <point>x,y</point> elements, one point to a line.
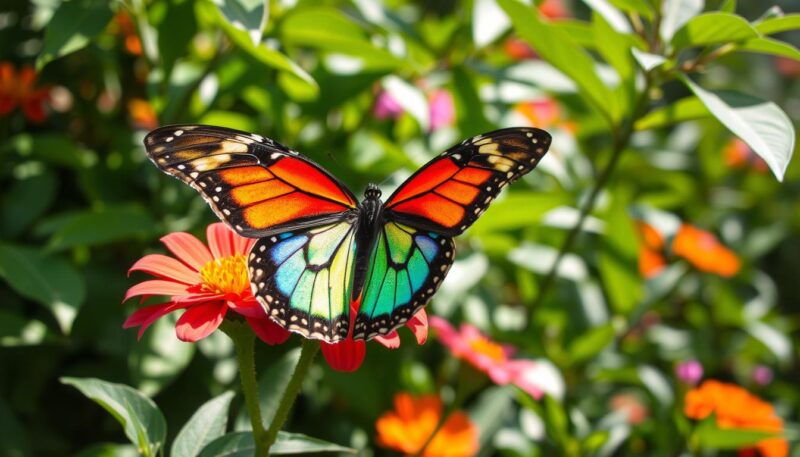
<point>372,192</point>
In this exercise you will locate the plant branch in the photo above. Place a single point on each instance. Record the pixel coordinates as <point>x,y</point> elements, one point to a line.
<point>307,353</point>
<point>620,143</point>
<point>244,343</point>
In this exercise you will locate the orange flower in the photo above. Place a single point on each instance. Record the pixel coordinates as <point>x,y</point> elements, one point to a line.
<point>126,28</point>
<point>737,408</point>
<point>739,155</point>
<point>408,427</point>
<point>704,251</point>
<point>651,259</point>
<point>544,113</point>
<point>142,114</point>
<point>19,90</point>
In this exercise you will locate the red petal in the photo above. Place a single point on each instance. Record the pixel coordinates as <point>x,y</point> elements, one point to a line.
<point>391,340</point>
<point>145,317</point>
<point>156,287</point>
<point>248,307</point>
<point>419,326</point>
<point>188,249</point>
<point>34,110</point>
<point>199,321</point>
<point>167,268</point>
<point>268,331</point>
<point>220,240</point>
<point>346,355</point>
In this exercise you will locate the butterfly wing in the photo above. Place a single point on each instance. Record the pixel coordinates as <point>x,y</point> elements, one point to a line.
<point>303,279</point>
<point>405,268</point>
<point>449,193</point>
<point>256,185</point>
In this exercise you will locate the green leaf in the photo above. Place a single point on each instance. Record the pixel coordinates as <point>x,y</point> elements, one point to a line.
<point>590,343</point>
<point>469,107</point>
<point>685,109</point>
<point>13,438</point>
<point>53,148</point>
<point>410,98</point>
<point>641,7</point>
<point>271,386</point>
<point>556,47</point>
<point>247,15</point>
<point>728,6</point>
<point>72,27</point>
<point>109,450</point>
<point>770,46</point>
<point>27,200</point>
<point>490,410</point>
<point>206,424</point>
<point>759,123</point>
<point>488,22</point>
<point>266,55</point>
<point>579,31</point>
<point>778,24</point>
<point>556,420</point>
<point>46,279</point>
<point>330,30</point>
<point>675,13</point>
<point>616,48</point>
<point>709,435</point>
<point>505,214</point>
<point>16,330</point>
<point>619,256</point>
<point>159,357</point>
<point>90,228</point>
<point>240,444</point>
<point>713,28</point>
<point>143,422</point>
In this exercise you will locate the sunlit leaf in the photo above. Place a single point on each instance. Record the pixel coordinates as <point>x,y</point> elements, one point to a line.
<point>74,24</point>
<point>16,330</point>
<point>641,7</point>
<point>685,109</point>
<point>240,444</point>
<point>410,98</point>
<point>619,256</point>
<point>109,450</point>
<point>206,424</point>
<point>143,422</point>
<point>47,279</point>
<point>647,60</point>
<point>556,47</point>
<point>710,435</point>
<point>611,15</point>
<point>590,343</point>
<point>759,123</point>
<point>488,22</point>
<point>675,13</point>
<point>247,15</point>
<point>778,24</point>
<point>770,46</point>
<point>713,28</point>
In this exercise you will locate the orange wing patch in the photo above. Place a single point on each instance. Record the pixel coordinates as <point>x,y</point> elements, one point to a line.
<point>429,177</point>
<point>458,192</point>
<point>437,209</point>
<point>309,179</point>
<point>287,208</point>
<point>252,193</point>
<point>245,175</point>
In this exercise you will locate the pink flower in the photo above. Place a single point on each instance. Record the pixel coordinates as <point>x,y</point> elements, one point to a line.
<point>762,375</point>
<point>349,354</point>
<point>492,358</point>
<point>442,111</point>
<point>690,372</point>
<point>204,282</point>
<point>387,107</point>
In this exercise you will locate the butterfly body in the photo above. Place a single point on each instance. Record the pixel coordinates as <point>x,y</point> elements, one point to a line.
<point>318,248</point>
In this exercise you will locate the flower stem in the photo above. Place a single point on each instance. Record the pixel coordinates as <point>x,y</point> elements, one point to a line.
<point>307,353</point>
<point>244,344</point>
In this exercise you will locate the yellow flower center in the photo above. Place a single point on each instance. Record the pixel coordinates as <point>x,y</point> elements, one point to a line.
<point>488,348</point>
<point>225,275</point>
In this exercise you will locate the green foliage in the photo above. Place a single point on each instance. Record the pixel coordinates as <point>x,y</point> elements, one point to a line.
<point>645,100</point>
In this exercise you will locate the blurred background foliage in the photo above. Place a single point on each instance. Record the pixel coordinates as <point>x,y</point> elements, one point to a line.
<point>372,90</point>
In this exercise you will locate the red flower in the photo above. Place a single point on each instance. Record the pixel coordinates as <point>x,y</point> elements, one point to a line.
<point>739,155</point>
<point>704,251</point>
<point>203,281</point>
<point>19,90</point>
<point>127,29</point>
<point>349,354</point>
<point>492,358</point>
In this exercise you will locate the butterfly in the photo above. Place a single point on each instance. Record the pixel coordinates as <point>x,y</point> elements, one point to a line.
<point>318,248</point>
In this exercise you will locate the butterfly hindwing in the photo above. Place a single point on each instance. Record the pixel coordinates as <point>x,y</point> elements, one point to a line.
<point>450,192</point>
<point>406,266</point>
<point>303,279</point>
<point>258,186</point>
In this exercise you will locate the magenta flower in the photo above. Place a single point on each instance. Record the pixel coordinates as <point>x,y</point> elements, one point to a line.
<point>762,375</point>
<point>386,106</point>
<point>490,357</point>
<point>203,281</point>
<point>442,110</point>
<point>690,372</point>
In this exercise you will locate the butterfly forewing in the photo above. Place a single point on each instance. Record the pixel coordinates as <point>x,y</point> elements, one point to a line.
<point>450,192</point>
<point>406,267</point>
<point>256,185</point>
<point>303,279</point>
